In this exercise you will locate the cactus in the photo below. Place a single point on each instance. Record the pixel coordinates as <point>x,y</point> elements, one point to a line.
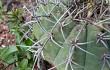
<point>72,35</point>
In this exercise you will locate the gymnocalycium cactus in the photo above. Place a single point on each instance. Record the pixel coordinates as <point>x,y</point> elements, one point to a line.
<point>72,35</point>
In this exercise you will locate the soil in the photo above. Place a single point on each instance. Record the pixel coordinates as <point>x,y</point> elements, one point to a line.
<point>6,37</point>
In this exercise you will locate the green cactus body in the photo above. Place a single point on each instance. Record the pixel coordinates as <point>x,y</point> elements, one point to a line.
<point>73,46</point>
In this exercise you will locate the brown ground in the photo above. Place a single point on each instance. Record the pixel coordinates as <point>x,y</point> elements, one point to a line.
<point>6,37</point>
